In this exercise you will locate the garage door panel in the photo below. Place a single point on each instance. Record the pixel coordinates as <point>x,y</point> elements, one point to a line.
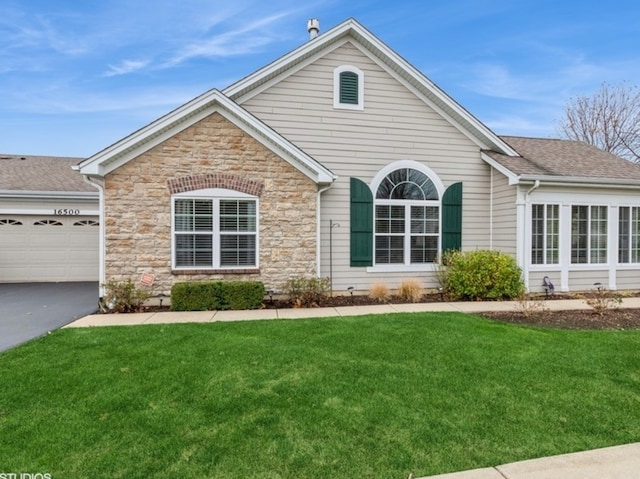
<point>39,250</point>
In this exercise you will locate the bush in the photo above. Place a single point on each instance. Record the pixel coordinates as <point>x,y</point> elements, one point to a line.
<point>410,290</point>
<point>216,295</point>
<point>123,297</point>
<point>602,300</point>
<point>481,275</point>
<point>379,292</point>
<point>308,292</point>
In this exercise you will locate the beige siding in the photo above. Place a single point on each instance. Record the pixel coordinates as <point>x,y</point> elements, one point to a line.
<point>394,125</point>
<point>536,277</point>
<point>584,280</point>
<point>627,279</point>
<point>503,223</point>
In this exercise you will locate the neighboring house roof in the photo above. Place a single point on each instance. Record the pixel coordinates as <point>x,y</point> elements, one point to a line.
<point>190,113</point>
<point>398,67</point>
<point>24,175</point>
<point>564,161</point>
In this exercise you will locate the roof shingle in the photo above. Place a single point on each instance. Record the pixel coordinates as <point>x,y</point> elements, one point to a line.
<point>564,159</point>
<point>41,173</point>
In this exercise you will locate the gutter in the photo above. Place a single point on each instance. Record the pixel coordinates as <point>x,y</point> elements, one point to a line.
<point>38,195</point>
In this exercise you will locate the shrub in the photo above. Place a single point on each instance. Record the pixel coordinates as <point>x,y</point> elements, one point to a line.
<point>123,297</point>
<point>481,275</point>
<point>602,300</point>
<point>216,295</point>
<point>379,292</point>
<point>307,292</point>
<point>410,290</point>
<point>530,306</point>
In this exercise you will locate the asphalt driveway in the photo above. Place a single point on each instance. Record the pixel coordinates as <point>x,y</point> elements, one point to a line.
<point>29,310</point>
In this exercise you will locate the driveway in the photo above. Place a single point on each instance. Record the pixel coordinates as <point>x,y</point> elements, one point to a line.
<point>29,310</point>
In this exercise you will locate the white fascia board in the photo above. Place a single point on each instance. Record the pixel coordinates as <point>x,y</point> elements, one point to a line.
<point>394,63</point>
<point>511,176</point>
<point>145,138</point>
<point>285,63</point>
<point>43,195</point>
<point>169,125</point>
<point>583,181</point>
<point>426,86</point>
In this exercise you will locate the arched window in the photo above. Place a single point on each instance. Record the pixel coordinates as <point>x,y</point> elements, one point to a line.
<point>407,218</point>
<point>348,88</point>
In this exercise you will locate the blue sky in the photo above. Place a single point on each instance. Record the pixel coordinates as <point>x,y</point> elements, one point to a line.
<point>77,76</point>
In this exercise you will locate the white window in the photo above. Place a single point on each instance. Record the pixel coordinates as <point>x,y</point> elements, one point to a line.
<point>348,88</point>
<point>629,234</point>
<point>215,229</point>
<point>588,234</point>
<point>545,237</point>
<point>407,219</point>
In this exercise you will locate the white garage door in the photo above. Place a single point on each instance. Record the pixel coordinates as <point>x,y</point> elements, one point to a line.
<point>48,248</point>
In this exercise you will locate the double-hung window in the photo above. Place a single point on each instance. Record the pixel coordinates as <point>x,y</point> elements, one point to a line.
<point>629,234</point>
<point>215,232</point>
<point>545,237</point>
<point>407,219</point>
<point>588,234</point>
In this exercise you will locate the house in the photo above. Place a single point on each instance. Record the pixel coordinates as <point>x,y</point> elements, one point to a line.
<point>341,159</point>
<point>48,221</point>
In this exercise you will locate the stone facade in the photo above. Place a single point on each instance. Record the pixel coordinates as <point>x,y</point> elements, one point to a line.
<point>211,153</point>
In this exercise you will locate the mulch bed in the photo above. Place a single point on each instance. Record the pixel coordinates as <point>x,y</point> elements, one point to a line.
<point>535,314</point>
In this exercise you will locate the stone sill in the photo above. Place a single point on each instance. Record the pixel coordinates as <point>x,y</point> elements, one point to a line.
<point>193,272</point>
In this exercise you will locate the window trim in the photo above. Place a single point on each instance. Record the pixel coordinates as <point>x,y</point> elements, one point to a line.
<point>336,88</point>
<point>630,234</point>
<point>216,195</point>
<point>590,248</point>
<point>440,189</point>
<point>545,234</point>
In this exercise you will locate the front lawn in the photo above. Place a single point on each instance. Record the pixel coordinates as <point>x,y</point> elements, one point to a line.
<point>365,397</point>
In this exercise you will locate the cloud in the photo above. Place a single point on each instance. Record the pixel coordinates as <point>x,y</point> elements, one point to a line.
<point>241,41</point>
<point>127,66</point>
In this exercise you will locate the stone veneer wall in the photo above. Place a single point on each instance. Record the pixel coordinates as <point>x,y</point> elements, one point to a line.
<point>138,205</point>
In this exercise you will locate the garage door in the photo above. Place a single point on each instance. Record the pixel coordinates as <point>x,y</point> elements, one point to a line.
<point>48,248</point>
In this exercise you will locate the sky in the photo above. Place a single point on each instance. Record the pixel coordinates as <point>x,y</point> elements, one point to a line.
<point>77,76</point>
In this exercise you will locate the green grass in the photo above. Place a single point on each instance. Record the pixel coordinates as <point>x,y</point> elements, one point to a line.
<point>366,397</point>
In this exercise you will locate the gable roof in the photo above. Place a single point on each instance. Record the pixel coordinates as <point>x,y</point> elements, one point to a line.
<point>190,113</point>
<point>565,161</point>
<point>394,64</point>
<point>51,176</point>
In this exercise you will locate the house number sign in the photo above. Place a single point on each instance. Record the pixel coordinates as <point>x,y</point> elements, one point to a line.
<point>66,212</point>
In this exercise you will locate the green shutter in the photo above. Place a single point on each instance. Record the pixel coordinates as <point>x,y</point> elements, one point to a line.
<point>349,88</point>
<point>452,218</point>
<point>361,224</point>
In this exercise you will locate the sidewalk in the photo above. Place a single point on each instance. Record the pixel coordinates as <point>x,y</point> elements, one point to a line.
<point>213,316</point>
<point>618,462</point>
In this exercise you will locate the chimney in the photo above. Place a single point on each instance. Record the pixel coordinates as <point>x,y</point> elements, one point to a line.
<point>313,27</point>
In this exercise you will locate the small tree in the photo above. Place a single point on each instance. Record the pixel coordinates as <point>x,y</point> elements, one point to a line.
<point>609,120</point>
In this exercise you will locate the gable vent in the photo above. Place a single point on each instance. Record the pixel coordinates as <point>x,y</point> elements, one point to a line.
<point>349,88</point>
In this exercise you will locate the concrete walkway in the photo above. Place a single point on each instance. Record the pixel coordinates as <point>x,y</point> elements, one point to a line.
<point>212,316</point>
<point>619,462</point>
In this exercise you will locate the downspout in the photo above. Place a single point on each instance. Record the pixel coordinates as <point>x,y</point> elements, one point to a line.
<point>536,184</point>
<point>318,227</point>
<point>522,240</point>
<point>491,210</point>
<point>102,229</point>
